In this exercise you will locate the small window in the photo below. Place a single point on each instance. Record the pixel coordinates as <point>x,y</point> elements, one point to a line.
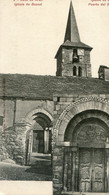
<point>58,99</point>
<point>79,71</point>
<point>74,71</point>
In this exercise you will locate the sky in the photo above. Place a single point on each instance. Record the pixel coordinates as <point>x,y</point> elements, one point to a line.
<point>31,35</point>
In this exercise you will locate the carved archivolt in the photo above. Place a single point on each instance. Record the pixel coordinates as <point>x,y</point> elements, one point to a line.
<point>82,104</point>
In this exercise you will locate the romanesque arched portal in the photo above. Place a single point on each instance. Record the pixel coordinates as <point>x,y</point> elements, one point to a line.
<point>82,138</point>
<point>85,158</point>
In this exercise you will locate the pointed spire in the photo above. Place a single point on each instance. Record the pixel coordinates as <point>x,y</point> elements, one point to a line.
<point>72,33</point>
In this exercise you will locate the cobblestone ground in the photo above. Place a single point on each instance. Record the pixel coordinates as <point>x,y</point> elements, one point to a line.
<point>39,170</point>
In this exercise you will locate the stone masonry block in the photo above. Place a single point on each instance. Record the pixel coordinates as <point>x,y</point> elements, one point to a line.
<point>60,138</point>
<point>55,99</point>
<point>55,112</point>
<point>70,99</point>
<point>58,107</point>
<point>63,99</point>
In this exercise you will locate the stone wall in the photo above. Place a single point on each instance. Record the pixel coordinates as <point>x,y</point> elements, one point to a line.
<point>14,111</point>
<point>58,157</point>
<point>3,151</point>
<point>13,141</point>
<point>26,106</point>
<point>7,111</point>
<point>59,65</point>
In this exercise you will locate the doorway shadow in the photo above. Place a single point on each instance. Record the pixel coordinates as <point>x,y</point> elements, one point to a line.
<point>41,164</point>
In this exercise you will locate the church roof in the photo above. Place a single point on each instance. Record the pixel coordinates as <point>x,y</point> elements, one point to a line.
<point>72,33</point>
<point>76,44</point>
<point>43,87</point>
<point>73,45</point>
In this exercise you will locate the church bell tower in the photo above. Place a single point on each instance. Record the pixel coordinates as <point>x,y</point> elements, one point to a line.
<point>73,56</point>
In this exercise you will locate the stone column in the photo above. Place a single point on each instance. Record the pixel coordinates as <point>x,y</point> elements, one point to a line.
<point>20,136</point>
<point>29,146</point>
<point>107,167</point>
<point>58,155</point>
<point>74,169</point>
<point>46,140</point>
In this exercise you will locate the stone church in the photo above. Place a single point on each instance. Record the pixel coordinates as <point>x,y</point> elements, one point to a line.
<point>66,115</point>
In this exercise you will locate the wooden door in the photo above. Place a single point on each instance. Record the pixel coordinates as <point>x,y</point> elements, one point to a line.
<point>91,170</point>
<point>85,170</point>
<point>98,171</point>
<point>38,141</point>
<point>35,142</point>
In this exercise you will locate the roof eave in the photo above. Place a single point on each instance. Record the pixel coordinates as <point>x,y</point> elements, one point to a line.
<point>62,46</point>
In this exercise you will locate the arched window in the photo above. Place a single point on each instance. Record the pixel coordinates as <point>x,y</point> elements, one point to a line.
<point>79,71</point>
<point>74,71</point>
